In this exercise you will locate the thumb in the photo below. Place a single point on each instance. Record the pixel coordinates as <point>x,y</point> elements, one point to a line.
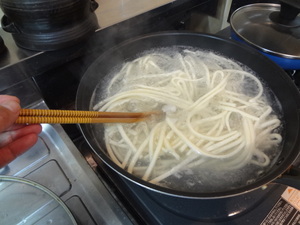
<point>9,111</point>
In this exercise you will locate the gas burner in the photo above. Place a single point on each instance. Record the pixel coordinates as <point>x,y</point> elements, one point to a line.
<point>157,208</point>
<point>208,210</point>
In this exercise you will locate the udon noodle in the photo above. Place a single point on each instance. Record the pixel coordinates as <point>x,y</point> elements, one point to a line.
<point>217,117</point>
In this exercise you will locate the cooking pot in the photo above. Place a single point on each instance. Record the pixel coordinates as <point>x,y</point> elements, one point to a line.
<point>49,25</point>
<point>272,29</point>
<point>271,74</point>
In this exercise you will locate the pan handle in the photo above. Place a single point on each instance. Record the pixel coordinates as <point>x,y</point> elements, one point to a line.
<point>290,178</point>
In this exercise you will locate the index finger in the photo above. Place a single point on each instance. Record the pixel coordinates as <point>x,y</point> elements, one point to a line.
<point>5,98</point>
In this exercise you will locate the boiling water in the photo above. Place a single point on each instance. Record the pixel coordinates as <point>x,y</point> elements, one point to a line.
<point>188,170</point>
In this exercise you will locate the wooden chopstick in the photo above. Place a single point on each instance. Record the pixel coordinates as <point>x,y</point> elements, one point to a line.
<point>30,116</point>
<point>78,113</point>
<point>72,120</point>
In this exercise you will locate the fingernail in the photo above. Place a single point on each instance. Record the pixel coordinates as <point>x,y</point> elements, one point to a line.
<point>12,106</point>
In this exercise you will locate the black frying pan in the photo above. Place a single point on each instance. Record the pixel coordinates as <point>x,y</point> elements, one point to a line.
<point>272,75</point>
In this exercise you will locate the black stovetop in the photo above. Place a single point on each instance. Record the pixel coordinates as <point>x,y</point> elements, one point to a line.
<point>149,207</point>
<point>58,87</point>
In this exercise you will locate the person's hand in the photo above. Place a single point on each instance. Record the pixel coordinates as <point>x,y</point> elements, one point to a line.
<point>15,139</point>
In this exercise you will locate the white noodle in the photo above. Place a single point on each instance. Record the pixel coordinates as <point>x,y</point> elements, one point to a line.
<point>209,115</point>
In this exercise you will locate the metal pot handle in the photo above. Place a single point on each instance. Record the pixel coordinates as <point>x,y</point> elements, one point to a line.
<point>9,26</point>
<point>290,178</point>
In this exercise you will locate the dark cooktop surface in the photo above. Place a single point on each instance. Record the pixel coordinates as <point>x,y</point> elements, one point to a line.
<point>59,86</point>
